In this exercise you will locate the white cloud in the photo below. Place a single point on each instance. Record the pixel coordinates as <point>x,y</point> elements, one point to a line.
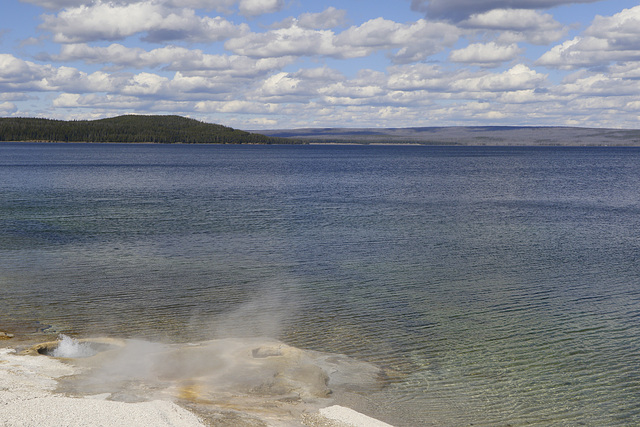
<point>422,77</point>
<point>576,53</point>
<point>219,5</point>
<point>280,84</point>
<point>294,41</point>
<point>302,86</point>
<point>458,10</point>
<point>8,107</point>
<point>15,96</point>
<point>18,71</point>
<point>329,18</point>
<point>110,21</point>
<point>625,70</point>
<point>236,106</point>
<point>259,7</point>
<point>171,58</point>
<point>486,55</point>
<point>67,100</point>
<point>261,122</point>
<point>115,103</point>
<point>352,90</point>
<point>607,40</point>
<point>199,87</point>
<point>19,75</point>
<point>145,84</point>
<point>622,29</point>
<point>55,4</point>
<point>515,25</point>
<point>71,79</point>
<point>415,41</point>
<point>511,19</point>
<point>520,77</point>
<point>584,84</point>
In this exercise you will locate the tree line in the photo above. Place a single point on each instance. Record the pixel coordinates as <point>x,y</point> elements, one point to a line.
<point>129,128</point>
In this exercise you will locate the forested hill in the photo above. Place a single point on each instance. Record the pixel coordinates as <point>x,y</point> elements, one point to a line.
<point>129,128</point>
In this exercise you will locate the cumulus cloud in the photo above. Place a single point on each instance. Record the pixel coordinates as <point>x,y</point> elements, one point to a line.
<point>281,85</point>
<point>259,7</point>
<point>368,87</point>
<point>111,21</point>
<point>329,18</point>
<point>626,70</point>
<point>598,84</point>
<point>20,75</point>
<point>436,82</point>
<point>303,86</point>
<point>236,106</point>
<point>350,93</point>
<point>575,53</point>
<point>295,41</point>
<point>55,4</point>
<point>116,103</point>
<point>171,58</point>
<point>485,55</point>
<point>519,77</point>
<point>15,71</point>
<point>622,28</point>
<point>219,5</point>
<point>8,107</point>
<point>458,10</point>
<point>515,25</point>
<point>414,41</point>
<point>608,39</point>
<point>145,84</point>
<point>416,77</point>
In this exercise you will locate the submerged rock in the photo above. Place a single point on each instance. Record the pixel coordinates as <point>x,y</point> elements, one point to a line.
<point>5,335</point>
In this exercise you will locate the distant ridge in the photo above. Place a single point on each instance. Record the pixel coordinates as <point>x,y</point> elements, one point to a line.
<point>128,128</point>
<point>172,129</point>
<point>467,135</point>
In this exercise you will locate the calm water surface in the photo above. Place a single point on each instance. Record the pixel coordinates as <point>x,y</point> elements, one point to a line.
<point>496,285</point>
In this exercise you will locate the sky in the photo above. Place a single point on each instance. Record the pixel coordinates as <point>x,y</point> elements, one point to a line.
<point>274,64</point>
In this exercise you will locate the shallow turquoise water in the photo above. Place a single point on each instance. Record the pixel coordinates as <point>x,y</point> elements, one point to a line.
<point>497,285</point>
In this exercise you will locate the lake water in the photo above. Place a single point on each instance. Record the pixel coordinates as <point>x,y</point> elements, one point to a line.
<point>497,286</point>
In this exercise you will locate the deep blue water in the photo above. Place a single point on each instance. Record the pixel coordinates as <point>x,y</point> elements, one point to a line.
<point>496,285</point>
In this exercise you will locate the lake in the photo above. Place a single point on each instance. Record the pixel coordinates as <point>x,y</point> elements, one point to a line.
<point>495,285</point>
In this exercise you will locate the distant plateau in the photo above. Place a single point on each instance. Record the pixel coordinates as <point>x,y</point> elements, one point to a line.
<point>176,129</point>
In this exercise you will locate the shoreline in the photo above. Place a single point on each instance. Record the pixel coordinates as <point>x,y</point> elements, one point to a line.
<point>37,388</point>
<point>312,142</point>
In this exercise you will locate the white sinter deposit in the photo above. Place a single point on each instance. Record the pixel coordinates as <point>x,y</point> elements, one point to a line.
<point>27,399</point>
<point>135,383</point>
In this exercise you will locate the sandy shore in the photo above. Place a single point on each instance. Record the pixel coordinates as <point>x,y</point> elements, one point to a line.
<point>27,398</point>
<point>31,394</point>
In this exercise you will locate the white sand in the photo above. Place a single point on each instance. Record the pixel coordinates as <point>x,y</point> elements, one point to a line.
<point>350,417</point>
<point>27,399</point>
